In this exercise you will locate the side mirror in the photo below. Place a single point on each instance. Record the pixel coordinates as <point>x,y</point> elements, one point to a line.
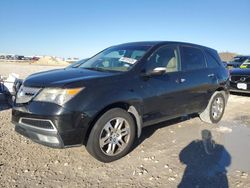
<point>158,71</point>
<point>155,72</point>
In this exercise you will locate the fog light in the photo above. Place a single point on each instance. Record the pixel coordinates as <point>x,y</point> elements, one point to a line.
<point>48,139</point>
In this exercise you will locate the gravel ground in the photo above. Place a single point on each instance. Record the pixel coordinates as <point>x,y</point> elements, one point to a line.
<point>23,69</point>
<point>163,157</point>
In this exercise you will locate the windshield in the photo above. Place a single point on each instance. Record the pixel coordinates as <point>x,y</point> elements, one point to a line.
<point>239,59</point>
<point>118,58</point>
<point>76,64</point>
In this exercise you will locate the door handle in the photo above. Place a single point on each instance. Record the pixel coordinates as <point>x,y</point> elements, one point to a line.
<point>181,80</point>
<point>211,75</point>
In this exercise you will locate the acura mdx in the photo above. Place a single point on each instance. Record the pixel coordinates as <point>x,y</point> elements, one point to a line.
<point>106,101</point>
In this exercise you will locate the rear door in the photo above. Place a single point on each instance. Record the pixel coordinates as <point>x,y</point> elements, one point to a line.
<point>217,72</point>
<point>197,76</point>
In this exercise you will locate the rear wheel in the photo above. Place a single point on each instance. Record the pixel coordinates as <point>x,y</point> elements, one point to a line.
<point>112,135</point>
<point>215,108</point>
<point>10,99</point>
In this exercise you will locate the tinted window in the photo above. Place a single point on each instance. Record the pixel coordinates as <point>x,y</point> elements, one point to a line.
<point>211,61</point>
<point>164,57</point>
<point>192,58</point>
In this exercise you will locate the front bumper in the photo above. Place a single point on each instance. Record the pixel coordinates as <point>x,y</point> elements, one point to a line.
<point>42,136</point>
<point>50,124</point>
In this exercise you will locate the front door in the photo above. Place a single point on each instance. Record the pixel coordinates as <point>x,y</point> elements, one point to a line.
<point>164,95</point>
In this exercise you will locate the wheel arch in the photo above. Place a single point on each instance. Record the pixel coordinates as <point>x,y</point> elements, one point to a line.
<point>224,92</point>
<point>131,109</point>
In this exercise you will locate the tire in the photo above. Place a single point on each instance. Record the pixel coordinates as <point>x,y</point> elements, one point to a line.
<point>10,99</point>
<point>209,114</point>
<point>112,136</point>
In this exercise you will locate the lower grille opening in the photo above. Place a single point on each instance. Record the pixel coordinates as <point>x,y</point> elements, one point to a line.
<point>36,123</point>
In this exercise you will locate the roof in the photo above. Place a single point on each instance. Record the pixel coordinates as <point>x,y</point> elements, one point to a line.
<point>153,43</point>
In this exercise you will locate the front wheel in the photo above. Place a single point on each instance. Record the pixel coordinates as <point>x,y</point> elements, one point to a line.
<point>112,135</point>
<point>215,108</point>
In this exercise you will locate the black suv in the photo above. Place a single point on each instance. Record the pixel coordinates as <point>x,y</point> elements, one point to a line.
<point>105,102</point>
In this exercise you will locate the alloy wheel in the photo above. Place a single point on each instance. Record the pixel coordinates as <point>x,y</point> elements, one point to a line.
<point>114,136</point>
<point>217,107</point>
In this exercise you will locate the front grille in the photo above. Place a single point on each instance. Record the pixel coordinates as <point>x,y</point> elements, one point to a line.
<point>38,123</point>
<point>240,78</point>
<point>26,94</point>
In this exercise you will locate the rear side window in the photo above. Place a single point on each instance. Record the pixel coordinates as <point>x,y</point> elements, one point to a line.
<point>211,61</point>
<point>192,58</point>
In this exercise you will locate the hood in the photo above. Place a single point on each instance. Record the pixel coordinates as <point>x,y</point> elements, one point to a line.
<point>62,77</point>
<point>239,71</point>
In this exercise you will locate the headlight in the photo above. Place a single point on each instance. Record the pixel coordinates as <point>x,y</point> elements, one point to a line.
<point>57,95</point>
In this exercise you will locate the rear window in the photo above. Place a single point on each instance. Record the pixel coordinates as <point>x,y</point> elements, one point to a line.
<point>192,58</point>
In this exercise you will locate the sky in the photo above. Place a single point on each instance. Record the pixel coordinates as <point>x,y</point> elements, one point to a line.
<point>81,28</point>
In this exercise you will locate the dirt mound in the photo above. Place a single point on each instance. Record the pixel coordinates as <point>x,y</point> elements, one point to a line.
<point>227,56</point>
<point>48,60</point>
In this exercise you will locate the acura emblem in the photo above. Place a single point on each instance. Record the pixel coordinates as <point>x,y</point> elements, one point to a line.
<point>243,79</point>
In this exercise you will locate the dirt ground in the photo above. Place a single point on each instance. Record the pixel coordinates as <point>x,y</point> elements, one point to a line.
<point>23,69</point>
<point>164,156</point>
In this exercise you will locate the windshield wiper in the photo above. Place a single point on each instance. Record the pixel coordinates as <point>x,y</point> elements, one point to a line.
<point>96,69</point>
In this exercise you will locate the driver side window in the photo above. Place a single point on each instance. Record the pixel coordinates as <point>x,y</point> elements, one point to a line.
<point>166,57</point>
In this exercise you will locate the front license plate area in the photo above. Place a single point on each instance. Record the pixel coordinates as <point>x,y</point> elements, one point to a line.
<point>242,86</point>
